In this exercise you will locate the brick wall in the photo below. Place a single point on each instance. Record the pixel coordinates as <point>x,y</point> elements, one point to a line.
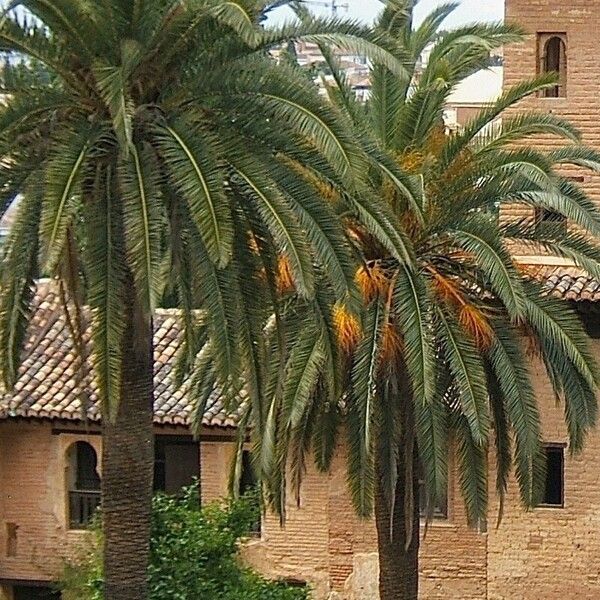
<point>580,20</point>
<point>324,543</point>
<point>34,534</point>
<point>34,513</point>
<point>551,552</point>
<point>545,553</point>
<point>299,550</point>
<point>555,553</point>
<point>215,468</point>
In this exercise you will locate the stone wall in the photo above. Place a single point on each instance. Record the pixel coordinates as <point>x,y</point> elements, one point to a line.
<point>34,535</point>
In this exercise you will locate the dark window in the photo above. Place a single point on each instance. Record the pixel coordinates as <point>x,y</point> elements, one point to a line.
<point>247,479</point>
<point>552,50</point>
<point>84,484</point>
<point>592,326</point>
<point>295,583</point>
<point>26,592</point>
<point>550,223</point>
<point>440,506</point>
<point>555,475</point>
<point>590,317</point>
<point>176,463</point>
<point>248,482</point>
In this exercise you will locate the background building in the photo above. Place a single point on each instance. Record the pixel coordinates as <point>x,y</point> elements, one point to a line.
<point>50,444</point>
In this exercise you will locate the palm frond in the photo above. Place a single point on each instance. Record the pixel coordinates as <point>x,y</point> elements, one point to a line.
<point>467,370</point>
<point>479,237</point>
<point>472,471</point>
<point>413,315</point>
<point>61,198</point>
<point>106,273</point>
<point>145,222</point>
<point>17,280</point>
<point>361,411</point>
<point>518,407</point>
<point>281,220</point>
<point>191,158</point>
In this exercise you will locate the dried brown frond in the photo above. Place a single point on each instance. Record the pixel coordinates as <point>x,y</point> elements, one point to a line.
<point>470,316</point>
<point>372,282</point>
<point>253,244</point>
<point>327,191</point>
<point>391,344</point>
<point>285,277</point>
<point>436,140</point>
<point>473,320</point>
<point>347,328</point>
<point>447,289</point>
<point>410,161</point>
<point>410,224</point>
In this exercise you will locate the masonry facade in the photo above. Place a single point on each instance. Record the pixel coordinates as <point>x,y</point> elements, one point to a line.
<point>573,26</point>
<point>545,553</point>
<point>551,552</point>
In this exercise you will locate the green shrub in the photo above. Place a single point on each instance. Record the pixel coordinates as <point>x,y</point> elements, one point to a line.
<point>194,555</point>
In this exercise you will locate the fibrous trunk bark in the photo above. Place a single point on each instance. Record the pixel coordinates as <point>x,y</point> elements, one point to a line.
<point>398,523</point>
<point>128,466</point>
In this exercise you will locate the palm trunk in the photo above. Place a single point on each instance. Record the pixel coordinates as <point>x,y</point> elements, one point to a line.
<point>398,525</point>
<point>127,467</point>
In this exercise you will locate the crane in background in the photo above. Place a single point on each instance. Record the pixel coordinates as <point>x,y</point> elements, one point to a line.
<point>332,5</point>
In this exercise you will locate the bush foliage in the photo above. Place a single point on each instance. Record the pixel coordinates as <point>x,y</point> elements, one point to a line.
<point>194,555</point>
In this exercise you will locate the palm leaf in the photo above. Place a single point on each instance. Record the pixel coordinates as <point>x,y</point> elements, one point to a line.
<point>514,392</point>
<point>17,279</point>
<point>466,367</point>
<point>413,316</point>
<point>479,236</point>
<point>61,192</point>
<point>144,222</point>
<point>106,274</point>
<point>361,411</point>
<point>191,160</point>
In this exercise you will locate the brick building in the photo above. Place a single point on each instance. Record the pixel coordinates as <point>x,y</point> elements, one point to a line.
<point>49,480</point>
<point>49,453</point>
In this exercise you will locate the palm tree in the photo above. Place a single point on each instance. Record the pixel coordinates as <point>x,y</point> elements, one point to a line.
<point>155,148</point>
<point>437,362</point>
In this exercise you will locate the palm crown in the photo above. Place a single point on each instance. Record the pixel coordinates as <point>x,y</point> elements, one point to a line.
<point>160,151</point>
<point>158,145</point>
<point>439,350</point>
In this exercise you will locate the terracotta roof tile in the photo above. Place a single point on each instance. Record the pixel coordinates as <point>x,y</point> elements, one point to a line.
<point>566,282</point>
<point>47,386</point>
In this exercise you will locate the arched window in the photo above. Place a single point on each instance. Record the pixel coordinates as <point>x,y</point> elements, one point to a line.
<point>84,484</point>
<point>553,59</point>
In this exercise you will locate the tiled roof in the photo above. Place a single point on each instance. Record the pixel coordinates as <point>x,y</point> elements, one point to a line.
<point>568,283</point>
<point>47,386</point>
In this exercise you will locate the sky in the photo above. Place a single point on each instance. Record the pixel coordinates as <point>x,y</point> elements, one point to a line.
<point>367,10</point>
<point>467,12</point>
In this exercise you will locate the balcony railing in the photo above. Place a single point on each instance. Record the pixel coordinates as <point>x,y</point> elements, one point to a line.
<point>82,507</point>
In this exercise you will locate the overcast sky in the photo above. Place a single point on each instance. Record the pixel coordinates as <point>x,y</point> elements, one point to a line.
<point>467,12</point>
